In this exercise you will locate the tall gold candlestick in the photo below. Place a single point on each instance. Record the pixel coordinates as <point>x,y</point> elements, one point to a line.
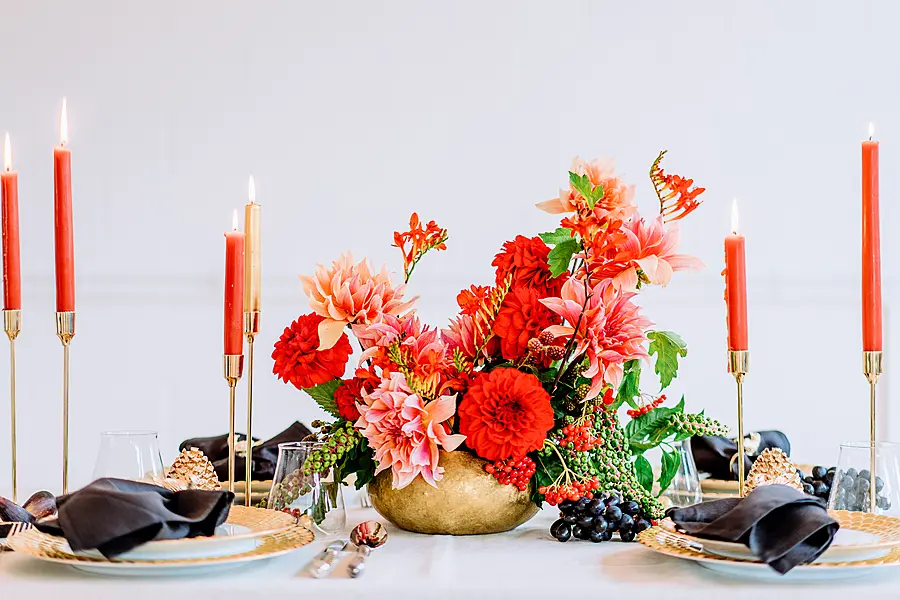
<point>233,367</point>
<point>738,365</point>
<point>872,368</point>
<point>12,325</point>
<point>65,331</point>
<point>251,328</point>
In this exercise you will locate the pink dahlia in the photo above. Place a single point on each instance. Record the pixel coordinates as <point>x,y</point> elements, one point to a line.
<point>346,293</point>
<point>644,246</point>
<point>405,431</point>
<point>610,333</point>
<point>617,196</point>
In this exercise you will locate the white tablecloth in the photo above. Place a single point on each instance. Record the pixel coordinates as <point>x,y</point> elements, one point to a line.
<point>524,563</point>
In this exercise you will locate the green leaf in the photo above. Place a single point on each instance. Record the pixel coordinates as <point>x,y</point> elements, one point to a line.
<point>629,389</point>
<point>667,346</point>
<point>561,235</point>
<point>560,257</point>
<point>644,472</point>
<point>670,463</point>
<point>323,394</point>
<point>582,184</point>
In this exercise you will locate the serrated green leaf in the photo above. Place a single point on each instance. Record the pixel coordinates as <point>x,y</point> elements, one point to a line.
<point>643,427</point>
<point>667,346</point>
<point>323,394</point>
<point>644,472</point>
<point>629,389</point>
<point>561,235</point>
<point>670,463</point>
<point>560,257</point>
<point>582,184</point>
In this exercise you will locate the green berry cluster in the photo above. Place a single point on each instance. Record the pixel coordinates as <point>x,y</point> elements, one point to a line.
<point>342,437</point>
<point>696,424</point>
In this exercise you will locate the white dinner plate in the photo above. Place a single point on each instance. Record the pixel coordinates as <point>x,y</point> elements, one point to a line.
<point>848,545</point>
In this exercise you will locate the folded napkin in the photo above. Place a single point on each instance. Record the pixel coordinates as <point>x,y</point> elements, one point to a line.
<point>265,455</point>
<point>713,454</point>
<point>782,526</point>
<point>115,515</point>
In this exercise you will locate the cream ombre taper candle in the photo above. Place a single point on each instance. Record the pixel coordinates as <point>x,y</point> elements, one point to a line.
<point>252,275</point>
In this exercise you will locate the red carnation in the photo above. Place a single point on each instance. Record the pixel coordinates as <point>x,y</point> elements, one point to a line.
<point>521,318</point>
<point>526,259</point>
<point>350,392</point>
<point>298,361</point>
<point>505,413</point>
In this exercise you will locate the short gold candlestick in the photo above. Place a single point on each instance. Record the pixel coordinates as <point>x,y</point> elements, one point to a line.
<point>251,328</point>
<point>232,367</point>
<point>872,368</point>
<point>65,331</point>
<point>738,365</point>
<point>12,325</point>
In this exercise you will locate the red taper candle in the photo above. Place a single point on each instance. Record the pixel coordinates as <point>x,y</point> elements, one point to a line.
<point>62,215</point>
<point>12,278</point>
<point>871,247</point>
<point>736,285</point>
<point>234,289</point>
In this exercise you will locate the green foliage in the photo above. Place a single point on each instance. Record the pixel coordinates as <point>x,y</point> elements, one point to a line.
<point>630,388</point>
<point>667,346</point>
<point>582,183</point>
<point>323,394</point>
<point>561,235</point>
<point>670,463</point>
<point>561,255</point>
<point>360,460</point>
<point>644,472</point>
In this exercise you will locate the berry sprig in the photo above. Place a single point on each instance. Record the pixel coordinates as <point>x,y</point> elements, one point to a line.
<point>634,414</point>
<point>543,344</point>
<point>579,437</point>
<point>554,494</point>
<point>517,473</point>
<point>342,437</point>
<point>698,424</point>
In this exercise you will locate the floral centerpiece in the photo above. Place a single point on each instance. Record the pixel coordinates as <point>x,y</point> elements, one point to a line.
<point>531,374</point>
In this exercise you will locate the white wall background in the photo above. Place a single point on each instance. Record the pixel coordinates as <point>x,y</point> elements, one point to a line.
<point>352,114</point>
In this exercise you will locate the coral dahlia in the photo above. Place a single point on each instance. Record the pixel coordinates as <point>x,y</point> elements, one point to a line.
<point>297,359</point>
<point>526,259</point>
<point>505,413</point>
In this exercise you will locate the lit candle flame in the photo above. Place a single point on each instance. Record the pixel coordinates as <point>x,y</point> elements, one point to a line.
<point>234,220</point>
<point>734,217</point>
<point>7,153</point>
<point>871,129</point>
<point>252,189</point>
<point>64,124</point>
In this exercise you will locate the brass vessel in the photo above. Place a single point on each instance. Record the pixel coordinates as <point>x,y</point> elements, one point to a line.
<point>467,501</point>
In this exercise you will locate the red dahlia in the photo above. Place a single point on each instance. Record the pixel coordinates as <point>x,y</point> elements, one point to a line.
<point>521,318</point>
<point>297,361</point>
<point>505,414</point>
<point>349,393</point>
<point>526,259</point>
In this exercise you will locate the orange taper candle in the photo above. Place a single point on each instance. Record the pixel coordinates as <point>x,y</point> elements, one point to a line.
<point>736,285</point>
<point>62,216</point>
<point>234,289</point>
<point>871,247</point>
<point>12,279</point>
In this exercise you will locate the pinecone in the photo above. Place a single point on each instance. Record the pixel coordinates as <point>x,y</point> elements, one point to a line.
<point>194,468</point>
<point>770,467</point>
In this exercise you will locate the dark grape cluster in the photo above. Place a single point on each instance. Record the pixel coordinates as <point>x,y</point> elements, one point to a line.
<point>819,482</point>
<point>853,491</point>
<point>597,519</point>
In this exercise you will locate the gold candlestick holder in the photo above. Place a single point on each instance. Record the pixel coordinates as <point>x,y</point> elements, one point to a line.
<point>251,328</point>
<point>232,367</point>
<point>738,365</point>
<point>65,331</point>
<point>12,325</point>
<point>872,368</point>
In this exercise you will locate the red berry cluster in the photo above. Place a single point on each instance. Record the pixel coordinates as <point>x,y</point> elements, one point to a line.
<point>512,472</point>
<point>634,414</point>
<point>580,436</point>
<point>294,512</point>
<point>555,494</point>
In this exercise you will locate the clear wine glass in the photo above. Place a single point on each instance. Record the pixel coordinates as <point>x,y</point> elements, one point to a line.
<point>129,455</point>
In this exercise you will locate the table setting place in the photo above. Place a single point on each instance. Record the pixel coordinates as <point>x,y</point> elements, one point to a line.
<point>546,394</point>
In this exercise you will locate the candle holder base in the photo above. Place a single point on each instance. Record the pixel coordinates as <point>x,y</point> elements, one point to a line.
<point>232,368</point>
<point>12,325</point>
<point>873,362</point>
<point>251,329</point>
<point>738,366</point>
<point>65,331</point>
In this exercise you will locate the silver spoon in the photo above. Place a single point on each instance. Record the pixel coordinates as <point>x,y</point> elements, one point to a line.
<point>323,562</point>
<point>367,536</point>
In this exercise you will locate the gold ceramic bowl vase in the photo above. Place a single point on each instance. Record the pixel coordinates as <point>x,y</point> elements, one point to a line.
<point>467,501</point>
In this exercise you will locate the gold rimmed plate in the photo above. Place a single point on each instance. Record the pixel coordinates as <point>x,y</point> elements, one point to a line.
<point>45,547</point>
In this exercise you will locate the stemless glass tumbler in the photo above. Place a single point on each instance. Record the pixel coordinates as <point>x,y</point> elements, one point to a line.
<point>851,487</point>
<point>129,455</point>
<point>685,487</point>
<point>310,493</point>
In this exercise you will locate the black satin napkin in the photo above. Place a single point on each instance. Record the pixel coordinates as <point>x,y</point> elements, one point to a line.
<point>115,515</point>
<point>265,456</point>
<point>713,454</point>
<point>782,526</point>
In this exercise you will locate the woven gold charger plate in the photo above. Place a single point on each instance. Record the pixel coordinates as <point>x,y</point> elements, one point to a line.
<point>45,547</point>
<point>883,549</point>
